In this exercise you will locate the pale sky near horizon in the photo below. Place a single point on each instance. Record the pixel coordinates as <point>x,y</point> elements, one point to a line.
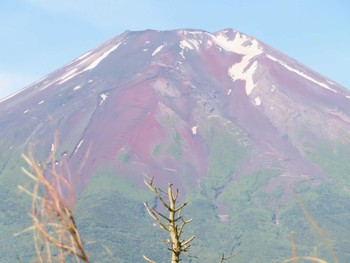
<point>39,36</point>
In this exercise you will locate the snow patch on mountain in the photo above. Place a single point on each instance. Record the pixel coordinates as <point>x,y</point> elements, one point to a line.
<point>241,44</point>
<point>158,49</point>
<point>185,44</point>
<point>74,72</point>
<point>191,44</point>
<point>300,73</point>
<point>257,101</point>
<point>70,74</point>
<point>193,32</point>
<point>244,71</point>
<point>170,169</point>
<point>182,54</point>
<point>194,130</point>
<point>82,56</point>
<point>77,87</point>
<point>102,57</point>
<point>248,48</point>
<point>40,80</point>
<point>8,97</point>
<point>103,97</point>
<point>195,43</point>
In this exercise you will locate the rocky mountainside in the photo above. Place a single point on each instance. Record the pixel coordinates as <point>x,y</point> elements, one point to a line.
<point>240,128</point>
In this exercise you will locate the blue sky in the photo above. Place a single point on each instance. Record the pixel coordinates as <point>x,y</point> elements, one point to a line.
<point>38,36</point>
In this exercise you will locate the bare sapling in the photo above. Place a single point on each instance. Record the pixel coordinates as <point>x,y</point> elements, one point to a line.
<point>173,223</point>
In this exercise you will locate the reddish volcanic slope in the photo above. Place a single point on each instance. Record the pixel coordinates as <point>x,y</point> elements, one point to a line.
<point>149,101</point>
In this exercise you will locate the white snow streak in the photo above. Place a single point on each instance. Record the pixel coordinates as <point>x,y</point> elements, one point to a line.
<point>77,87</point>
<point>240,71</point>
<point>182,54</point>
<point>103,96</point>
<point>14,94</point>
<point>41,102</point>
<point>104,55</point>
<point>73,72</point>
<point>66,76</point>
<point>184,44</point>
<point>194,130</point>
<point>158,49</point>
<point>229,92</point>
<point>195,43</point>
<point>300,73</point>
<point>194,32</point>
<point>169,169</point>
<point>257,101</point>
<point>243,45</point>
<point>83,56</point>
<point>40,80</point>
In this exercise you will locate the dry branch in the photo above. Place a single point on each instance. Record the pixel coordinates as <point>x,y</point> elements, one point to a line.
<point>225,258</point>
<point>170,222</point>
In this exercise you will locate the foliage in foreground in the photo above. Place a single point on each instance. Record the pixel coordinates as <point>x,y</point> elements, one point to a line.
<point>56,236</point>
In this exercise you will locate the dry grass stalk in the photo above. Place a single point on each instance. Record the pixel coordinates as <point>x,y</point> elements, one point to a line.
<point>310,259</point>
<point>55,230</point>
<point>294,258</point>
<point>174,223</point>
<point>294,249</point>
<point>319,231</point>
<point>314,253</point>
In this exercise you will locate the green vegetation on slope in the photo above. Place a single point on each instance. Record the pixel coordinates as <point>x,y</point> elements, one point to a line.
<point>334,158</point>
<point>227,147</point>
<point>14,207</point>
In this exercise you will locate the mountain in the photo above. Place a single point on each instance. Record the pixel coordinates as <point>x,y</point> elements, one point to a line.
<point>240,128</point>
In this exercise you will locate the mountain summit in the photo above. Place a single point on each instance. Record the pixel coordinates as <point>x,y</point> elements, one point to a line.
<point>237,126</point>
